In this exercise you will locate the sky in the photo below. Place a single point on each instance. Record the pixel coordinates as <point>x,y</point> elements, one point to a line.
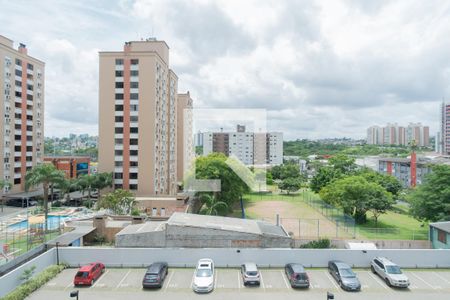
<point>320,69</point>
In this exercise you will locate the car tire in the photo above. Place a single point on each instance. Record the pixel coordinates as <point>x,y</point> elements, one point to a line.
<point>373,270</point>
<point>388,282</point>
<point>92,281</point>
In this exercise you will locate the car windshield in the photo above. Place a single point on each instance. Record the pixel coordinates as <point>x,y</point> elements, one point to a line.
<point>203,273</point>
<point>151,276</point>
<point>347,273</point>
<point>300,276</point>
<point>393,270</point>
<point>252,273</point>
<point>82,274</point>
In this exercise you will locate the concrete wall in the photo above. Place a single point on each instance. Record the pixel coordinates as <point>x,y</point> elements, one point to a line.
<point>11,280</point>
<point>381,244</point>
<point>133,257</point>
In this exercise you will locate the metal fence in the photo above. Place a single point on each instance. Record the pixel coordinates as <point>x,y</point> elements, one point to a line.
<point>25,232</point>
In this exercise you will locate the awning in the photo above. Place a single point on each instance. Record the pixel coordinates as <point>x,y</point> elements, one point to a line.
<point>69,237</point>
<point>25,195</point>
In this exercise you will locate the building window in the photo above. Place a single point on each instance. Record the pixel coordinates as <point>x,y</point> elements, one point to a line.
<point>119,107</point>
<point>134,85</point>
<point>134,73</point>
<point>134,61</point>
<point>133,142</point>
<point>118,141</point>
<point>133,152</point>
<point>133,187</point>
<point>16,180</point>
<point>134,130</point>
<point>133,163</point>
<point>154,211</point>
<point>133,107</point>
<point>442,236</point>
<point>118,130</point>
<point>30,67</point>
<point>18,73</point>
<point>134,96</point>
<point>119,61</point>
<point>134,118</point>
<point>117,186</point>
<point>119,85</point>
<point>133,175</point>
<point>118,163</point>
<point>118,119</point>
<point>118,152</point>
<point>18,62</point>
<point>118,175</point>
<point>119,73</point>
<point>119,96</point>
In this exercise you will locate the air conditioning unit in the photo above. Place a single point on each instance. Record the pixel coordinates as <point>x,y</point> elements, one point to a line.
<point>8,86</point>
<point>8,74</point>
<point>8,97</point>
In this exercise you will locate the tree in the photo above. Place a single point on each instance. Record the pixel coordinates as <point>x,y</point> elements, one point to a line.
<point>45,175</point>
<point>355,195</point>
<point>430,201</point>
<point>120,202</point>
<point>66,186</point>
<point>210,206</point>
<point>3,184</point>
<point>104,180</point>
<point>213,166</point>
<point>389,182</point>
<point>88,182</point>
<point>339,166</point>
<point>290,184</point>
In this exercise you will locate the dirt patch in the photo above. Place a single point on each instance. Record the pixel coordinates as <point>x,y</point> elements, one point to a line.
<point>298,218</point>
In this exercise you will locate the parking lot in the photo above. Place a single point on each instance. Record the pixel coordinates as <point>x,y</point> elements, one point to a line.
<point>126,284</point>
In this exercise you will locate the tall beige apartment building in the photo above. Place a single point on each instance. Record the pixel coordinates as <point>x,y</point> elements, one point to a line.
<point>185,137</point>
<point>138,118</point>
<point>22,111</point>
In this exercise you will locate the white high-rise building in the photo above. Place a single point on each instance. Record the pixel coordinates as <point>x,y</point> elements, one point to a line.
<point>375,135</point>
<point>445,128</point>
<point>418,133</point>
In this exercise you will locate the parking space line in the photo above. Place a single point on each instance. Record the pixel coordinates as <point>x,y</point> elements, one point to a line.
<point>217,275</point>
<point>442,277</point>
<point>100,279</point>
<point>378,280</point>
<point>68,286</point>
<point>239,280</point>
<point>122,280</point>
<point>332,280</point>
<point>262,282</point>
<point>421,279</point>
<point>192,281</point>
<point>168,280</point>
<point>284,279</point>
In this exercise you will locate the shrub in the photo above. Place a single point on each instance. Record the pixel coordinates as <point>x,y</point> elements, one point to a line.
<point>24,290</point>
<point>319,244</point>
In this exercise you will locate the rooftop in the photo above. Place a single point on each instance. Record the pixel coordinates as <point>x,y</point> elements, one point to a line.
<point>225,223</point>
<point>445,226</point>
<point>150,226</point>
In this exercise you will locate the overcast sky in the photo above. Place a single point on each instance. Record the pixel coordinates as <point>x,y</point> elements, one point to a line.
<point>320,68</point>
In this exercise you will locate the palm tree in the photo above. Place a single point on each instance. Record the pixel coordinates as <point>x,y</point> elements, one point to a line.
<point>3,184</point>
<point>211,206</point>
<point>104,180</point>
<point>45,175</point>
<point>88,182</point>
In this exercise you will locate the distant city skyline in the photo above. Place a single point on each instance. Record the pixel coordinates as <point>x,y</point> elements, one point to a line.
<point>321,68</point>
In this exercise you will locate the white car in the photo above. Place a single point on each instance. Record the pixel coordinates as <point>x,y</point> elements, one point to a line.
<point>203,281</point>
<point>390,272</point>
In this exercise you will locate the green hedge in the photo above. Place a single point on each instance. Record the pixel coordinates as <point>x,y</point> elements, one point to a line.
<point>319,244</point>
<point>25,289</point>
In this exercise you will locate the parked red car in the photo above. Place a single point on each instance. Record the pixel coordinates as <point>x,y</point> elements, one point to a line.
<point>86,275</point>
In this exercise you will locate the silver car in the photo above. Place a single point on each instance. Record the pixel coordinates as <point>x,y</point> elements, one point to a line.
<point>390,272</point>
<point>250,274</point>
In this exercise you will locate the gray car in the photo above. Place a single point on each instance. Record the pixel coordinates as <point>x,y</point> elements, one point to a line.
<point>250,274</point>
<point>390,272</point>
<point>344,275</point>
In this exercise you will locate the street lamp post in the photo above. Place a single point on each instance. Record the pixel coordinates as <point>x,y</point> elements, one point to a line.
<point>57,254</point>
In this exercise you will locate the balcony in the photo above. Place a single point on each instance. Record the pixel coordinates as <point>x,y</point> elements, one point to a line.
<point>17,175</point>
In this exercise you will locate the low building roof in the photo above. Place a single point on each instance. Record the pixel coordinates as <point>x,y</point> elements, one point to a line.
<point>69,237</point>
<point>445,226</point>
<point>150,226</point>
<point>225,223</point>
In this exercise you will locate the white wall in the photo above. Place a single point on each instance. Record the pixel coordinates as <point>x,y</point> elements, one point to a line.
<point>133,257</point>
<point>11,280</point>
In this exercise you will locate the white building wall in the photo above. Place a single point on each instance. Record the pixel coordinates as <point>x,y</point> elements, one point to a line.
<point>275,140</point>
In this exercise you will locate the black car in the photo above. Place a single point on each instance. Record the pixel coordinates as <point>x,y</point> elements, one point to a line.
<point>296,275</point>
<point>155,275</point>
<point>344,275</point>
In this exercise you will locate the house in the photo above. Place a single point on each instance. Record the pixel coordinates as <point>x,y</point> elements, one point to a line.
<point>440,235</point>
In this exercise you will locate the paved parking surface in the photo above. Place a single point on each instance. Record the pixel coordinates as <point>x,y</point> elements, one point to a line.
<point>126,284</point>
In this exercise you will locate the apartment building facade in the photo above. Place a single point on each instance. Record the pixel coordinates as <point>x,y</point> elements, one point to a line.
<point>185,138</point>
<point>249,147</point>
<point>393,134</point>
<point>22,111</point>
<point>137,118</point>
<point>444,146</point>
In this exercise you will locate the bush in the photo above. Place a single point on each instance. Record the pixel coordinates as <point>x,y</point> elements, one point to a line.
<point>24,290</point>
<point>319,244</point>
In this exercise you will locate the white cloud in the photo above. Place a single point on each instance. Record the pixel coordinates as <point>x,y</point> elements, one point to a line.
<point>321,68</point>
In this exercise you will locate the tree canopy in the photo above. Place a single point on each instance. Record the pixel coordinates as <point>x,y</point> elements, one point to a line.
<point>120,202</point>
<point>356,196</point>
<point>430,201</point>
